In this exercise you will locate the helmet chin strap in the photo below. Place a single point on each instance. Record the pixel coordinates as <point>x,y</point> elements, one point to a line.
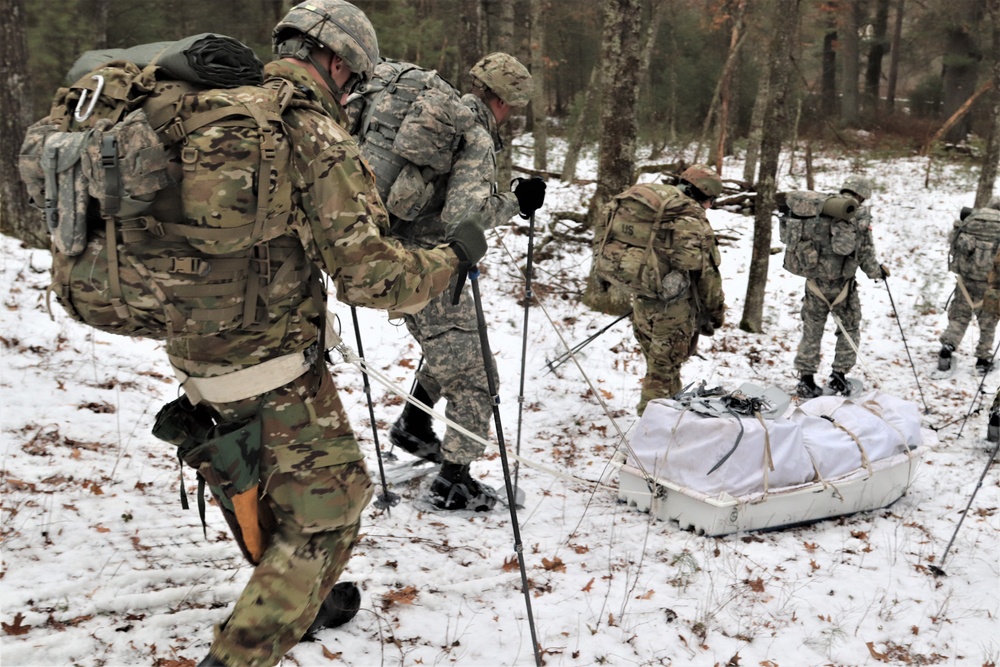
<point>324,74</point>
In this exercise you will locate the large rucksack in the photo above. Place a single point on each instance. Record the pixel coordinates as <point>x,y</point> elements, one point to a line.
<point>973,244</point>
<point>409,123</point>
<point>821,235</point>
<point>150,237</point>
<point>653,236</point>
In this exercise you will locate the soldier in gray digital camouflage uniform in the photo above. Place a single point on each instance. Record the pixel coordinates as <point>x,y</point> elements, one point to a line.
<point>838,294</point>
<point>452,365</point>
<point>314,483</point>
<point>967,299</point>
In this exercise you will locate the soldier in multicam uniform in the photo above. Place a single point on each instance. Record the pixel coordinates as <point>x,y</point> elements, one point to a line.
<point>668,334</point>
<point>839,296</point>
<point>453,366</point>
<point>966,302</point>
<point>313,477</point>
<point>991,308</point>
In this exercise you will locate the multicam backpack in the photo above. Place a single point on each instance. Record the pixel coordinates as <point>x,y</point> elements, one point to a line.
<point>409,123</point>
<point>821,235</point>
<point>974,241</point>
<point>653,236</point>
<point>149,236</point>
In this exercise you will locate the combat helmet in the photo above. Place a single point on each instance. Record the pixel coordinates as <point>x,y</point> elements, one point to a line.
<point>336,24</point>
<point>506,76</point>
<point>704,178</point>
<point>858,186</point>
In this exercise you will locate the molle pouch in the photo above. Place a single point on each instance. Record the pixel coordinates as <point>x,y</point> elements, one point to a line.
<point>426,135</point>
<point>29,162</point>
<point>843,236</point>
<point>409,193</point>
<point>228,461</point>
<point>183,425</point>
<point>66,196</point>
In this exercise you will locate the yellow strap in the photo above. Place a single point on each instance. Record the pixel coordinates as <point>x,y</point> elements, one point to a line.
<point>245,508</point>
<point>974,305</point>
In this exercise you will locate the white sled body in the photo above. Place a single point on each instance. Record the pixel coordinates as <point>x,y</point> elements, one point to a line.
<point>809,482</point>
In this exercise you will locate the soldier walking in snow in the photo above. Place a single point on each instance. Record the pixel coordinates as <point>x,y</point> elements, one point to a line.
<point>833,260</point>
<point>431,182</point>
<point>974,242</point>
<point>658,246</point>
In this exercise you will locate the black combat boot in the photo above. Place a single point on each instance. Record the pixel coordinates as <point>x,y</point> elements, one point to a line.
<point>839,384</point>
<point>413,431</point>
<point>944,357</point>
<point>993,427</point>
<point>455,489</point>
<point>339,607</point>
<point>211,661</point>
<point>807,387</point>
<point>983,366</point>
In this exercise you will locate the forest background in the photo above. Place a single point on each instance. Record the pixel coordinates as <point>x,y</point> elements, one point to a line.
<point>681,80</point>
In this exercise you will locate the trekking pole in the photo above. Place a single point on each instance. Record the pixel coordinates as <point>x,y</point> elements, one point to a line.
<point>524,343</point>
<point>976,396</point>
<point>387,498</point>
<point>484,342</point>
<point>565,356</point>
<point>938,569</point>
<point>907,347</point>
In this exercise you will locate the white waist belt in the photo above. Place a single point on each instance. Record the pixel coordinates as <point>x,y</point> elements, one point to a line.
<point>244,383</point>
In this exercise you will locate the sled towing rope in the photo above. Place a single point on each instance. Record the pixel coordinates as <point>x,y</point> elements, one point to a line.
<point>484,342</point>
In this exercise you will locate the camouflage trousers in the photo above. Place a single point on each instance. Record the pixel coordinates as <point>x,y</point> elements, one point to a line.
<point>314,487</point>
<point>664,334</point>
<point>960,314</point>
<point>453,369</point>
<point>815,313</point>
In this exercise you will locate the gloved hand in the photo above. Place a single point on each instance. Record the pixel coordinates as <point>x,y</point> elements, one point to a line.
<point>885,271</point>
<point>468,240</point>
<point>530,194</point>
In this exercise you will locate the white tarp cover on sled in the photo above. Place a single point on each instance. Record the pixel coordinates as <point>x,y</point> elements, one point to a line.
<point>681,446</point>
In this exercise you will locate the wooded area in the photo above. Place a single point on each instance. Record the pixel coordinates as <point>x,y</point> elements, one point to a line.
<point>676,81</point>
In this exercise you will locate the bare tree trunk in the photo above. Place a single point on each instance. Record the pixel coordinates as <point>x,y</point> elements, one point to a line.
<point>850,56</point>
<point>17,218</point>
<point>894,55</point>
<point>961,62</point>
<point>756,129</point>
<point>991,158</point>
<point>505,42</point>
<point>873,71</point>
<point>621,46</point>
<point>579,127</point>
<point>539,99</point>
<point>828,96</point>
<point>725,84</point>
<point>470,39</point>
<point>787,12</point>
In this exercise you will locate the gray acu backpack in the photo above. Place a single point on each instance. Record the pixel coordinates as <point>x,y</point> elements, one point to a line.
<point>974,241</point>
<point>409,123</point>
<point>821,235</point>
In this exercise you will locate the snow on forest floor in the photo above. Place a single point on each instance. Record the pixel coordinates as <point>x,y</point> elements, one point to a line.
<point>101,566</point>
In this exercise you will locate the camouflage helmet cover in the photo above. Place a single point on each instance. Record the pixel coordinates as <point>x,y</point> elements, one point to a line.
<point>336,24</point>
<point>506,76</point>
<point>704,178</point>
<point>857,185</point>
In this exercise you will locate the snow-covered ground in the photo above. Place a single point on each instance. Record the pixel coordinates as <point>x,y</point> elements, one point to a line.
<point>101,566</point>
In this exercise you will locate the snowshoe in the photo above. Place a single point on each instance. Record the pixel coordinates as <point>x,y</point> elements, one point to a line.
<point>983,366</point>
<point>455,489</point>
<point>944,357</point>
<point>413,433</point>
<point>339,607</point>
<point>839,384</point>
<point>807,387</point>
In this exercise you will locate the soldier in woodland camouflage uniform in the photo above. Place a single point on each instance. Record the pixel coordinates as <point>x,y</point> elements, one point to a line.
<point>840,296</point>
<point>452,366</point>
<point>966,302</point>
<point>314,483</point>
<point>668,334</point>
